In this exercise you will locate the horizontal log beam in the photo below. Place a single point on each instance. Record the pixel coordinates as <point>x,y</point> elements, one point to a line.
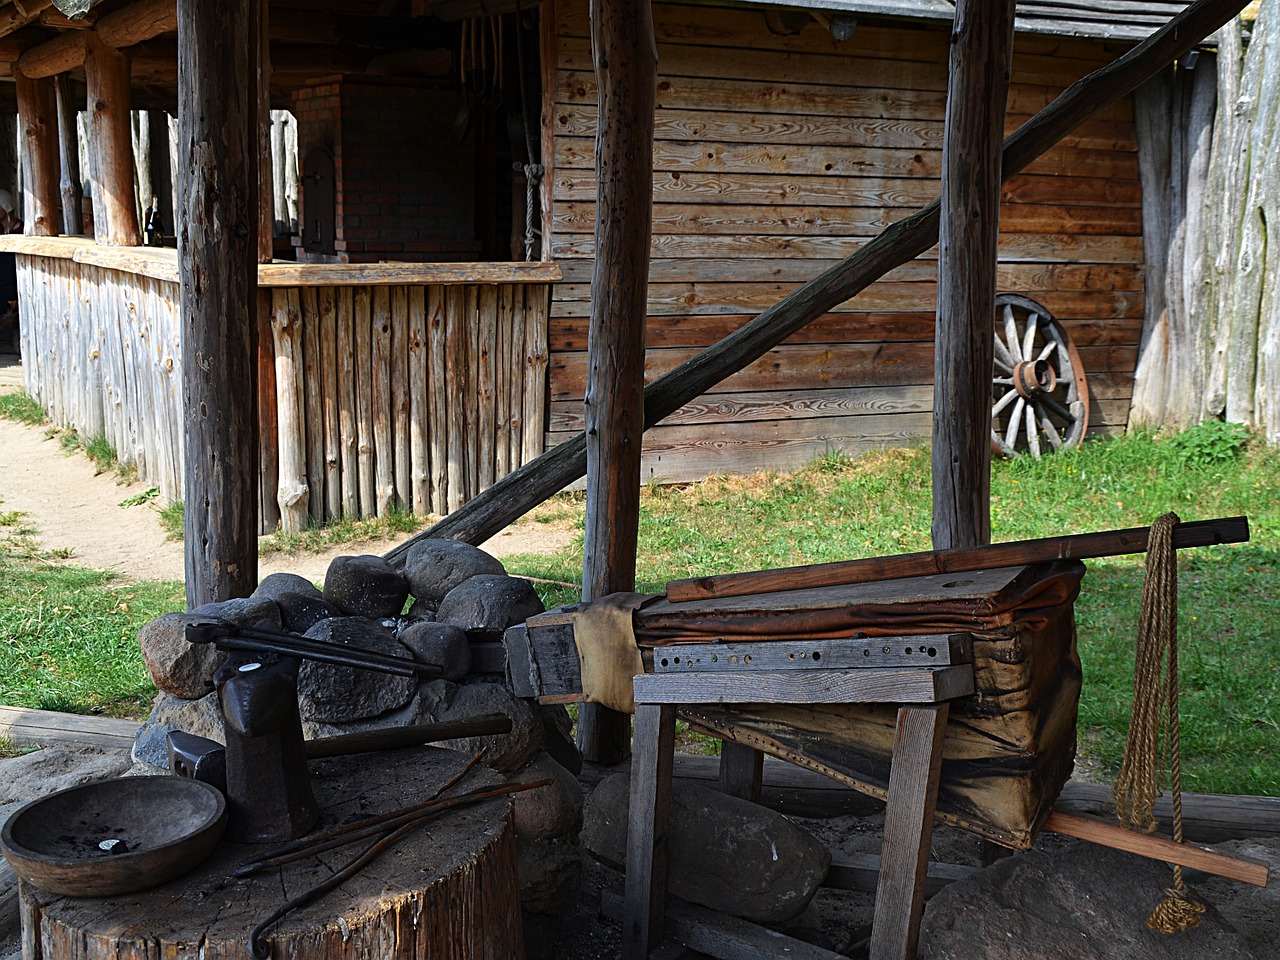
<point>518,492</point>
<point>138,22</point>
<point>1082,546</point>
<point>64,52</point>
<point>17,15</point>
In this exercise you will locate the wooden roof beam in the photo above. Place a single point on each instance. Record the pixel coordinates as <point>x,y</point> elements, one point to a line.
<point>20,13</point>
<point>124,28</point>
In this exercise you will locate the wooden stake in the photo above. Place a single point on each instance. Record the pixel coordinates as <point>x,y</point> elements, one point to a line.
<point>981,52</point>
<point>115,213</point>
<point>626,61</point>
<point>216,246</point>
<point>37,118</point>
<point>71,192</point>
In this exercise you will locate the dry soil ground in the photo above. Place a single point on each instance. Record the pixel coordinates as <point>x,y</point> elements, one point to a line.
<point>71,507</point>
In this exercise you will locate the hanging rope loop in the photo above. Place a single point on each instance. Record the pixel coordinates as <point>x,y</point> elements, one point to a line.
<point>1153,744</point>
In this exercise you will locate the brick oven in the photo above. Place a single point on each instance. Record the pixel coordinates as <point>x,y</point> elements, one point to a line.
<point>388,172</point>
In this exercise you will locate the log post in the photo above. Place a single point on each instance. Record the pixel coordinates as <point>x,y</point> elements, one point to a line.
<point>115,212</point>
<point>268,412</point>
<point>626,62</point>
<point>161,168</point>
<point>69,156</point>
<point>981,54</point>
<point>217,247</point>
<point>37,118</point>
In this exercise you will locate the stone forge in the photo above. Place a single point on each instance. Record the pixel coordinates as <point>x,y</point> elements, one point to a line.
<point>448,604</point>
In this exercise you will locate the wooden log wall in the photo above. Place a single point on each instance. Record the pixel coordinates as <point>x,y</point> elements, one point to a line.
<point>403,396</point>
<point>775,156</point>
<point>102,354</point>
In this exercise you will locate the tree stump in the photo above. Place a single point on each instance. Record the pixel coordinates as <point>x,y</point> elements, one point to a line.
<point>449,890</point>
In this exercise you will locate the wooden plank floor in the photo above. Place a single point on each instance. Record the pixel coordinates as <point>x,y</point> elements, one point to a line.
<point>44,728</point>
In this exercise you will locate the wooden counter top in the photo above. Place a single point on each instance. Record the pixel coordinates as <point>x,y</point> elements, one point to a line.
<point>161,263</point>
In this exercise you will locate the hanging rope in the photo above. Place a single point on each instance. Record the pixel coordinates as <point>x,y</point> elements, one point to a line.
<point>1155,712</point>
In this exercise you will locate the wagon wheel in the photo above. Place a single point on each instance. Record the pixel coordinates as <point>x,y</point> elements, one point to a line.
<point>1038,388</point>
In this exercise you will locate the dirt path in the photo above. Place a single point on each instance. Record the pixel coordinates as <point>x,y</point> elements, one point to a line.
<point>72,508</point>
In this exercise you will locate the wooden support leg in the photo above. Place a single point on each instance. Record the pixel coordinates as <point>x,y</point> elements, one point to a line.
<point>908,830</point>
<point>646,888</point>
<point>741,771</point>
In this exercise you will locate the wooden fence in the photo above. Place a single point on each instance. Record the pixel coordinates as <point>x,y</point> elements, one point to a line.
<point>396,386</point>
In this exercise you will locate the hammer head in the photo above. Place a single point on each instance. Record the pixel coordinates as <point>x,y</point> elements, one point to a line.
<point>198,758</point>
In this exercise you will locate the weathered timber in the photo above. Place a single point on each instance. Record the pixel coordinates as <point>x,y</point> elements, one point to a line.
<point>741,771</point>
<point>348,445</point>
<point>1158,848</point>
<point>293,493</point>
<point>139,21</point>
<point>380,405</point>
<point>395,274</point>
<point>400,396</point>
<point>43,728</point>
<point>69,184</point>
<point>937,649</point>
<point>115,214</point>
<point>437,398</point>
<point>329,394</point>
<point>424,877</point>
<point>216,247</point>
<point>364,403</point>
<point>64,52</point>
<point>908,828</point>
<point>452,364</point>
<point>508,499</point>
<point>625,56</point>
<point>311,383</point>
<point>981,50</point>
<point>862,872</point>
<point>1081,546</point>
<point>647,822</point>
<point>486,383</point>
<point>266,171</point>
<point>268,422</point>
<point>873,685</point>
<point>37,118</point>
<point>14,16</point>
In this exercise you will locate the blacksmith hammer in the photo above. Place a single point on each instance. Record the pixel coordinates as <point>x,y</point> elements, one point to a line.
<point>199,758</point>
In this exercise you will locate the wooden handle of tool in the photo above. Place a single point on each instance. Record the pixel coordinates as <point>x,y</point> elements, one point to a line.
<point>393,738</point>
<point>1082,546</point>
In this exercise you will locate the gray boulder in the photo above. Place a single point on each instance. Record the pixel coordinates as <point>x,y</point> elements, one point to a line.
<point>301,611</point>
<point>507,751</point>
<point>243,612</point>
<point>365,586</point>
<point>339,694</point>
<point>433,567</point>
<point>42,772</point>
<point>439,643</point>
<point>486,605</point>
<point>178,668</point>
<point>1083,902</point>
<point>723,852</point>
<point>276,585</point>
<point>201,717</point>
<point>551,811</point>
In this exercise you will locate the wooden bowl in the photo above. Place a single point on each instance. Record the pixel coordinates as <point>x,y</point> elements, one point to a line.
<point>62,843</point>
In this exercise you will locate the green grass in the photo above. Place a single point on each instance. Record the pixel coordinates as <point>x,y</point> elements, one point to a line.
<point>71,634</point>
<point>19,407</point>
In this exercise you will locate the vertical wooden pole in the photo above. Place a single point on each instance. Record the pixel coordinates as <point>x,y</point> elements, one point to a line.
<point>648,818</point>
<point>217,246</point>
<point>161,170</point>
<point>115,212</point>
<point>981,52</point>
<point>72,194</point>
<point>626,60</point>
<point>268,411</point>
<point>37,119</point>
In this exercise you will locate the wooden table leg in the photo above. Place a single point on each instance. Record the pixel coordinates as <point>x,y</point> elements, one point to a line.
<point>741,770</point>
<point>646,887</point>
<point>908,830</point>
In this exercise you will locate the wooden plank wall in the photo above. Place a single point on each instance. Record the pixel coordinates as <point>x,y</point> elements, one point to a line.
<point>774,157</point>
<point>437,392</point>
<point>101,354</point>
<point>414,397</point>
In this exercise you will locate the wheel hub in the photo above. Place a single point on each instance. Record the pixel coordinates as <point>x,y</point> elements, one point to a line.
<point>1031,378</point>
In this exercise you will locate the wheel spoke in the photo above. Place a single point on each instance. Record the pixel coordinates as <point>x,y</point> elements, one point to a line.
<point>1050,430</point>
<point>1033,435</point>
<point>1048,349</point>
<point>1003,356</point>
<point>1015,422</point>
<point>1011,333</point>
<point>1029,337</point>
<point>1003,367</point>
<point>1059,409</point>
<point>1003,402</point>
<point>1002,381</point>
